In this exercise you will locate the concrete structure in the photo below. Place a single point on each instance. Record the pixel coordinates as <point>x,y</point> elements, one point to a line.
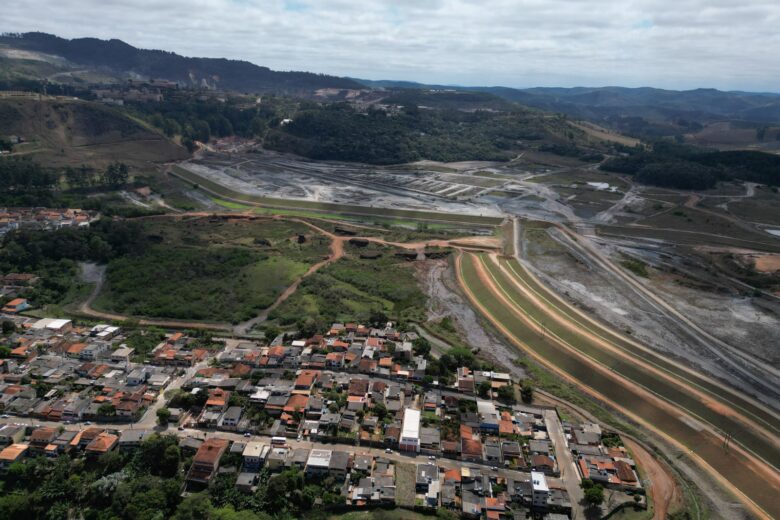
<point>540,490</point>
<point>254,455</point>
<point>410,431</point>
<point>318,462</point>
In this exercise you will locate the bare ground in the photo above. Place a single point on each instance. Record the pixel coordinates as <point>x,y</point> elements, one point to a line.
<point>445,299</point>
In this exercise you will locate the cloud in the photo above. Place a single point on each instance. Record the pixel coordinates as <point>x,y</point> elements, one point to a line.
<point>698,43</point>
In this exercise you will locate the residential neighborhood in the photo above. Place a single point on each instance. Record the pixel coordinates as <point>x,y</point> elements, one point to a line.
<point>351,408</point>
<point>45,219</point>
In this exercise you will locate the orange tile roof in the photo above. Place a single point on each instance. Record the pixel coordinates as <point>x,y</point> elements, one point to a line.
<point>218,397</point>
<point>296,402</point>
<point>15,302</point>
<point>506,427</point>
<point>471,447</point>
<point>103,442</point>
<point>452,475</point>
<point>76,348</point>
<point>386,362</point>
<point>13,452</point>
<point>277,351</point>
<point>210,451</point>
<point>306,378</point>
<point>20,351</point>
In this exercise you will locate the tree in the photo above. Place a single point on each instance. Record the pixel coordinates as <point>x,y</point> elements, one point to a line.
<point>163,415</point>
<point>106,410</point>
<point>483,389</point>
<point>594,496</point>
<point>8,327</point>
<point>380,410</point>
<point>194,507</point>
<point>116,174</point>
<point>257,127</point>
<point>421,347</point>
<point>527,392</point>
<point>507,393</point>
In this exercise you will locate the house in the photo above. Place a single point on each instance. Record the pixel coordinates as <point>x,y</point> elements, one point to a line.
<point>543,464</point>
<point>40,438</point>
<point>218,400</point>
<point>410,431</point>
<point>132,439</point>
<point>318,462</point>
<point>426,473</point>
<point>430,439</point>
<point>15,306</point>
<point>94,350</point>
<point>139,376</point>
<point>306,380</point>
<point>11,454</point>
<point>230,419</point>
<point>205,463</point>
<point>122,355</point>
<point>103,443</point>
<point>540,490</point>
<point>254,456</point>
<point>11,434</point>
<point>338,464</point>
<point>277,458</point>
<point>246,482</point>
<point>84,437</point>
<point>58,326</point>
<point>298,458</point>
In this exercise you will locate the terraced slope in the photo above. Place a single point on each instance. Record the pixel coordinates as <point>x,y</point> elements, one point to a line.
<point>683,414</point>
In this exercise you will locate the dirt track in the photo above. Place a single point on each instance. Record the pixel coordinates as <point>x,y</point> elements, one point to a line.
<point>663,488</point>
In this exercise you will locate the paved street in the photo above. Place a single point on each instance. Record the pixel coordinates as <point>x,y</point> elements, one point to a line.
<point>569,474</point>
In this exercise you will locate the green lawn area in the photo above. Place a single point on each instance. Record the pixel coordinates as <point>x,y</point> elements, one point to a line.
<point>213,270</point>
<point>230,205</point>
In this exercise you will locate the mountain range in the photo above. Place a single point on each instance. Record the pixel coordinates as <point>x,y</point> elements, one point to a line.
<point>640,112</point>
<point>118,57</point>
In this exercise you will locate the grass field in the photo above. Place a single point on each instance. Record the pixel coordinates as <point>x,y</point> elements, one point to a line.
<point>729,464</point>
<point>405,478</point>
<point>330,208</point>
<point>209,270</point>
<point>354,289</point>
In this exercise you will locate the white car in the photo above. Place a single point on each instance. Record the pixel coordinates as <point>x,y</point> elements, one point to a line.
<point>388,450</point>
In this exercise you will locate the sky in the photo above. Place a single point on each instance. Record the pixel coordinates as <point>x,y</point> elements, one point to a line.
<point>677,44</point>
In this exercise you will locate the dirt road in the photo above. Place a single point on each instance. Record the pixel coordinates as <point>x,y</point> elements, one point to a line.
<point>663,488</point>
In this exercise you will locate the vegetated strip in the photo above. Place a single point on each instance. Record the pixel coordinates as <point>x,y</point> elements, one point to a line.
<point>329,207</point>
<point>733,467</point>
<point>663,388</point>
<point>740,404</point>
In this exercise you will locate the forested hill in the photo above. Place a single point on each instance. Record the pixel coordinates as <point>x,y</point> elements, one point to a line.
<point>123,58</point>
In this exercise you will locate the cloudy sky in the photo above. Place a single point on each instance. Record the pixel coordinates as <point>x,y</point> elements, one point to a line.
<point>726,44</point>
